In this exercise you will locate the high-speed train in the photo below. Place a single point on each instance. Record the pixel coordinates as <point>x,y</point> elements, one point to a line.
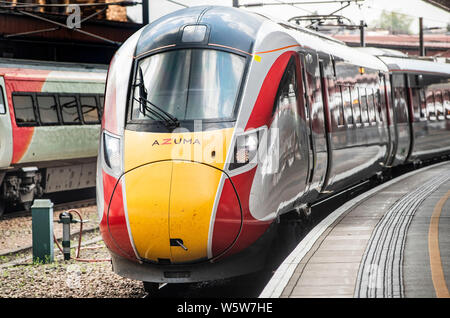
<point>49,128</point>
<point>219,121</point>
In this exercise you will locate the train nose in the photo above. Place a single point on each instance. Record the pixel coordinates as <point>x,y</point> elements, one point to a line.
<point>170,208</point>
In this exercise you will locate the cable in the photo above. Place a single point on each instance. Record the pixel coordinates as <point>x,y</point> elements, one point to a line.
<point>178,3</point>
<point>293,5</point>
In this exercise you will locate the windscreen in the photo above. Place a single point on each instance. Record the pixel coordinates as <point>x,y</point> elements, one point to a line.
<point>189,84</point>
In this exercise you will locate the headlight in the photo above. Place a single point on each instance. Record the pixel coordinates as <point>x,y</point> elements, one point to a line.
<point>111,151</point>
<point>245,150</point>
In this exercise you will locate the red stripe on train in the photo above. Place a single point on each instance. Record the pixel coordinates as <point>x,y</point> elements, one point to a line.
<point>21,80</point>
<point>113,226</point>
<point>262,110</point>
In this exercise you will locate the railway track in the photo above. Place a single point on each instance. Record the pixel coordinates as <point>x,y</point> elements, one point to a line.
<point>73,199</point>
<point>58,206</point>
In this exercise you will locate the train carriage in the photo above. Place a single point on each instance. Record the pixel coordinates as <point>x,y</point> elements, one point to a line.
<point>421,107</point>
<point>218,122</point>
<point>49,128</point>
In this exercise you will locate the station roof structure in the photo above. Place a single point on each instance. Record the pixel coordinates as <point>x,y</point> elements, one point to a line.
<point>443,4</point>
<point>437,45</point>
<point>39,30</point>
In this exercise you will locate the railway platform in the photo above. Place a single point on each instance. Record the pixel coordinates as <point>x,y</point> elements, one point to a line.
<point>390,242</point>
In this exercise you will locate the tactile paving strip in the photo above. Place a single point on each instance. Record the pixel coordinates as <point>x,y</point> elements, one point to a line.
<point>380,273</point>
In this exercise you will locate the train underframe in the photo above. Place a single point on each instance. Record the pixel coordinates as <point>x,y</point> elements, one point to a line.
<point>20,185</point>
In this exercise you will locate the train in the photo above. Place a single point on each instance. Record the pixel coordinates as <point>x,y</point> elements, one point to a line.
<point>218,122</point>
<point>50,115</point>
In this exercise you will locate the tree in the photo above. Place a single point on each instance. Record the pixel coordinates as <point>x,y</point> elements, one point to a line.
<point>396,23</point>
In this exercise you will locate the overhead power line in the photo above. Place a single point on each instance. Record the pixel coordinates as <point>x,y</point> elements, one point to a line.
<point>261,4</point>
<point>20,5</point>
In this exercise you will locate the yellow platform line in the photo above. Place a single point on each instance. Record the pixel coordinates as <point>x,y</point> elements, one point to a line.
<point>437,273</point>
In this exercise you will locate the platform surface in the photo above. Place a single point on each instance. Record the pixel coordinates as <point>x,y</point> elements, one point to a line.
<point>392,241</point>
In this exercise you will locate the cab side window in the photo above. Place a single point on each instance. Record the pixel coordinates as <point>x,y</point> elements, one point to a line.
<point>287,92</point>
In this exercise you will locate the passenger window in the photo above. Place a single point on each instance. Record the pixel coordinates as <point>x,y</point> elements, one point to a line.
<point>447,104</point>
<point>439,105</point>
<point>89,109</point>
<point>23,109</point>
<point>430,106</point>
<point>2,102</point>
<point>69,109</point>
<point>423,105</point>
<point>346,97</point>
<point>373,107</point>
<point>340,107</point>
<point>48,112</point>
<point>381,92</point>
<point>356,106</point>
<point>401,105</point>
<point>363,102</point>
<point>416,103</point>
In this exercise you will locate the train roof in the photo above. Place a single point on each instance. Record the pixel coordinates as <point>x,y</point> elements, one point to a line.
<point>230,27</point>
<point>57,71</point>
<point>381,51</point>
<point>397,61</point>
<point>239,29</point>
<point>292,26</point>
<point>396,64</point>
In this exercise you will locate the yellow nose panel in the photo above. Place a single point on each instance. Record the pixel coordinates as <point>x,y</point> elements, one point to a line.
<point>194,187</point>
<point>147,197</point>
<point>171,201</point>
<point>171,183</point>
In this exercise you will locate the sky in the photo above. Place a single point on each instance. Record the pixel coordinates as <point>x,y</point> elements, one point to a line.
<point>368,10</point>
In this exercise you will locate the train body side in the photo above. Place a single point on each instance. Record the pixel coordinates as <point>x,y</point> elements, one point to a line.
<point>420,95</point>
<point>343,136</point>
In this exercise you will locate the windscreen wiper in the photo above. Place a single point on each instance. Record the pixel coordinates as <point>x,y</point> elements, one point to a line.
<point>168,119</point>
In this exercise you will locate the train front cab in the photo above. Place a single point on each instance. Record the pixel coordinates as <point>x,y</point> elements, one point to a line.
<point>169,209</point>
<point>195,201</point>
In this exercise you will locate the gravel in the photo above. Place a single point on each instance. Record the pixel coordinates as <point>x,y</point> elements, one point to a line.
<point>19,278</point>
<point>15,232</point>
<point>68,279</point>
